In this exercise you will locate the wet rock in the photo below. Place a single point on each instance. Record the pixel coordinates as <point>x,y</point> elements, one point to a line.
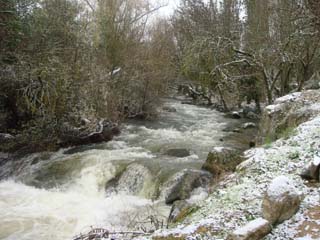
<point>222,159</point>
<point>311,172</point>
<point>169,109</point>
<point>252,115</point>
<point>281,200</point>
<point>102,131</point>
<point>249,125</point>
<point>136,179</point>
<point>5,137</point>
<point>254,230</point>
<point>187,102</point>
<point>236,130</point>
<point>235,115</point>
<point>179,210</point>
<point>181,185</point>
<point>178,152</point>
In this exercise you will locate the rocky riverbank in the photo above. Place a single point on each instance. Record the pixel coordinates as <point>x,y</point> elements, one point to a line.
<point>239,198</point>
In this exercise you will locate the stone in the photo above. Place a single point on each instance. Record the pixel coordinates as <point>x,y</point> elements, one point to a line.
<point>222,159</point>
<point>179,210</point>
<point>252,115</point>
<point>97,132</point>
<point>136,179</point>
<point>169,109</point>
<point>178,152</point>
<point>311,172</point>
<point>236,115</point>
<point>249,125</point>
<point>4,137</point>
<point>288,112</point>
<point>254,230</point>
<point>281,200</point>
<point>181,185</point>
<point>236,130</point>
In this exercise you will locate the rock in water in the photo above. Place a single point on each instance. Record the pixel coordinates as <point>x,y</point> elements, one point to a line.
<point>222,159</point>
<point>135,180</point>
<point>179,210</point>
<point>249,125</point>
<point>281,200</point>
<point>178,152</point>
<point>180,186</point>
<point>311,172</point>
<point>254,230</point>
<point>235,115</point>
<point>169,109</point>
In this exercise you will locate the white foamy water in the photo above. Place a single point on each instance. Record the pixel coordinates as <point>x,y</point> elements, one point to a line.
<point>59,196</point>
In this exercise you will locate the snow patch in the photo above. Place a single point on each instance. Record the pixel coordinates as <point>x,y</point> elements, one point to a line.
<point>251,226</point>
<point>280,186</point>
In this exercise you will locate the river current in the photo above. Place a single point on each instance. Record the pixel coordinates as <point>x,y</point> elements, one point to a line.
<point>55,196</point>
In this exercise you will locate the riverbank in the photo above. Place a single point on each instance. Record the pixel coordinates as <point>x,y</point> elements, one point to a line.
<point>237,199</point>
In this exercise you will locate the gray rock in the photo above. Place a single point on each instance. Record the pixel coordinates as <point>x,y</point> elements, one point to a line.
<point>179,210</point>
<point>281,200</point>
<point>5,137</point>
<point>254,230</point>
<point>136,179</point>
<point>180,186</point>
<point>288,112</point>
<point>252,115</point>
<point>169,109</point>
<point>235,115</point>
<point>249,125</point>
<point>178,152</point>
<point>236,130</point>
<point>311,172</point>
<point>222,159</point>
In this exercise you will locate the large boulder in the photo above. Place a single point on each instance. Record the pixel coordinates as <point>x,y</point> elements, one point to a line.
<point>222,159</point>
<point>281,200</point>
<point>136,179</point>
<point>254,230</point>
<point>95,132</point>
<point>181,185</point>
<point>288,112</point>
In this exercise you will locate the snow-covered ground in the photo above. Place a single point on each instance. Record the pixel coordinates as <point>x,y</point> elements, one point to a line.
<point>237,199</point>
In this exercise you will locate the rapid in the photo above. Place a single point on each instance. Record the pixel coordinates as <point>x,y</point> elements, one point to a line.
<point>55,196</point>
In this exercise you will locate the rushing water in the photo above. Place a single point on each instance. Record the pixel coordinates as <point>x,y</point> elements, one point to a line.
<point>57,195</point>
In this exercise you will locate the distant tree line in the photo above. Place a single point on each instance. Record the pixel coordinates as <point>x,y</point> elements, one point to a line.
<point>253,50</point>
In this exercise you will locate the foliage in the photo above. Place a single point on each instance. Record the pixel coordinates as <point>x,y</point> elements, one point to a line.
<point>62,60</point>
<point>254,58</point>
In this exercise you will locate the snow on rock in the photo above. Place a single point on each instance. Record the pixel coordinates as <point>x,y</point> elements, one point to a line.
<point>281,200</point>
<point>249,125</point>
<point>254,230</point>
<point>238,197</point>
<point>288,98</point>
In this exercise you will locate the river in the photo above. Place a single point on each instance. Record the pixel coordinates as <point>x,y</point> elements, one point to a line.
<point>55,196</point>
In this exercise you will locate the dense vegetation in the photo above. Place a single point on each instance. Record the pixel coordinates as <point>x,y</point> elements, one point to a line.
<point>65,60</point>
<point>251,49</point>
